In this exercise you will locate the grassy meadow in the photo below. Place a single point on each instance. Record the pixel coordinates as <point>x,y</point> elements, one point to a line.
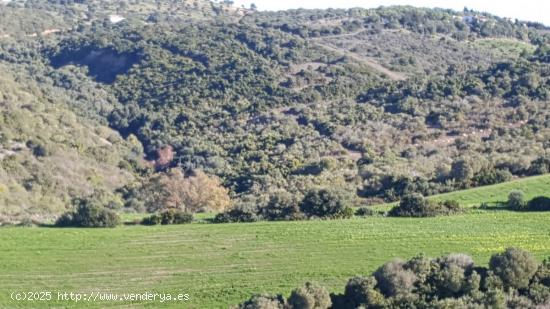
<point>222,264</point>
<point>493,195</point>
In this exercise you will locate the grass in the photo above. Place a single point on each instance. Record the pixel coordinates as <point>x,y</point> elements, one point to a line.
<point>531,186</point>
<point>493,194</point>
<point>504,46</point>
<point>223,264</point>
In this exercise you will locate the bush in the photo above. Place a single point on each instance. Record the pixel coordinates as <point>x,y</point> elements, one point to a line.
<point>38,148</point>
<point>364,212</point>
<point>65,219</point>
<point>152,220</point>
<point>539,203</point>
<point>448,207</point>
<point>455,275</point>
<point>393,279</point>
<point>415,205</point>
<point>516,200</point>
<point>310,296</point>
<point>491,176</point>
<point>281,206</point>
<point>169,216</point>
<point>539,288</point>
<point>361,291</point>
<point>411,205</point>
<point>243,213</point>
<point>89,213</point>
<point>515,267</point>
<point>263,302</point>
<point>323,203</point>
<point>175,216</point>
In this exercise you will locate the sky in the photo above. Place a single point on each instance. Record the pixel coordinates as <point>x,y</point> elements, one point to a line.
<point>531,10</point>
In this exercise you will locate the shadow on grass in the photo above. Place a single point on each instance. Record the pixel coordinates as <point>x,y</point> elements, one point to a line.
<point>493,206</point>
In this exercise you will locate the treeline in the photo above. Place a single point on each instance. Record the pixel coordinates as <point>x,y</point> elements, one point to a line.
<point>513,279</point>
<point>315,204</point>
<point>467,24</point>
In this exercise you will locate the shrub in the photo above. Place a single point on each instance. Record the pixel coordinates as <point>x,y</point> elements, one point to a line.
<point>539,203</point>
<point>516,200</point>
<point>65,219</point>
<point>26,222</point>
<point>89,213</point>
<point>323,203</point>
<point>540,166</point>
<point>411,205</point>
<point>539,288</point>
<point>152,220</point>
<point>281,206</point>
<point>414,205</point>
<point>515,267</point>
<point>361,291</point>
<point>310,296</point>
<point>393,279</point>
<point>455,276</point>
<point>38,148</point>
<point>169,216</point>
<point>448,207</point>
<point>175,216</point>
<point>263,302</point>
<point>491,176</point>
<point>364,211</point>
<point>243,213</point>
<point>517,302</point>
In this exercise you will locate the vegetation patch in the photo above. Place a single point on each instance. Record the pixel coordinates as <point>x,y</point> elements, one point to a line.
<point>169,216</point>
<point>513,278</point>
<point>88,213</point>
<point>417,206</point>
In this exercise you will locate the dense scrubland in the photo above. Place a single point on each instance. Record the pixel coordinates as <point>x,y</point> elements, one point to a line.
<point>373,103</point>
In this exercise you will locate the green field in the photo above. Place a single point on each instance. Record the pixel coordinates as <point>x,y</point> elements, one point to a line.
<point>504,47</point>
<point>223,264</point>
<point>531,186</point>
<point>494,194</point>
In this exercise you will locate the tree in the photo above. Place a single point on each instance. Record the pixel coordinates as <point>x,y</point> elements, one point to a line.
<point>89,212</point>
<point>411,205</point>
<point>310,296</point>
<point>197,192</point>
<point>361,291</point>
<point>263,301</point>
<point>415,205</point>
<point>394,280</point>
<point>516,200</point>
<point>515,267</point>
<point>323,203</point>
<point>253,6</point>
<point>461,170</point>
<point>165,155</point>
<point>281,205</point>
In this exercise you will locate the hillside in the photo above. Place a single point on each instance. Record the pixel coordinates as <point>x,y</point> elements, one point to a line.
<point>377,103</point>
<point>194,147</point>
<point>49,155</point>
